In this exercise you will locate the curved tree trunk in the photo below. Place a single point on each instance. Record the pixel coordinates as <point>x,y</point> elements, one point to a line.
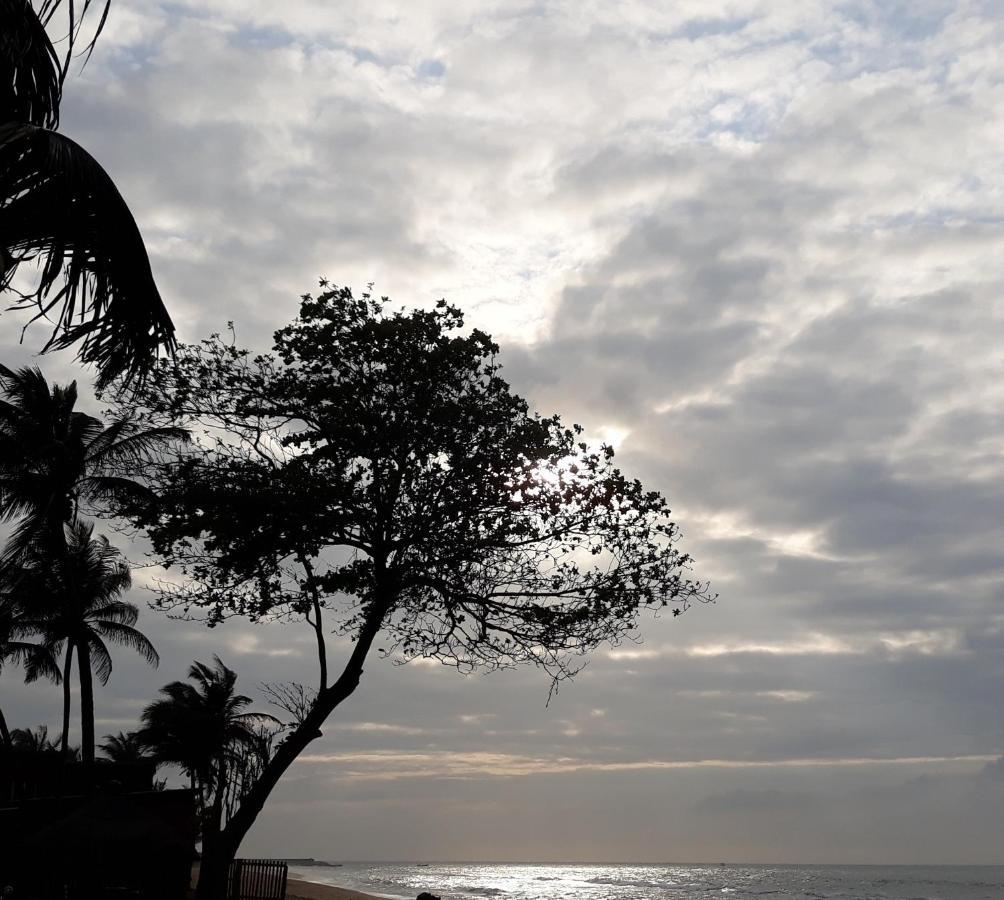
<point>86,704</point>
<point>224,846</point>
<point>67,672</point>
<point>4,733</point>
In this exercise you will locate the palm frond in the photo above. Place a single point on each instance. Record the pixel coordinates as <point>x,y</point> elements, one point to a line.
<point>101,659</point>
<point>76,15</point>
<point>103,489</point>
<point>118,444</point>
<point>31,76</point>
<point>59,208</point>
<point>41,662</point>
<point>118,611</point>
<point>28,538</point>
<point>128,637</point>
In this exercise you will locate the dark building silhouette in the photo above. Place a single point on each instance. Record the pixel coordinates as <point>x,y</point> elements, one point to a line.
<point>68,830</point>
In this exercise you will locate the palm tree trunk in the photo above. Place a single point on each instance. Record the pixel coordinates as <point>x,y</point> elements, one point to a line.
<point>67,672</point>
<point>86,704</point>
<point>4,733</point>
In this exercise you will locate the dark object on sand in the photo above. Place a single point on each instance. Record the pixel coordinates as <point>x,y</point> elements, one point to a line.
<point>425,895</point>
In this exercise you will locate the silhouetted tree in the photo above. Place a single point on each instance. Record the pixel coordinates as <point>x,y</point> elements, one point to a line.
<point>75,600</point>
<point>376,474</point>
<point>55,462</point>
<point>61,211</point>
<point>205,730</point>
<point>33,741</point>
<point>126,747</point>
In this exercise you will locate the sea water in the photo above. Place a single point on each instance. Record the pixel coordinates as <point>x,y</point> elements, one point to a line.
<point>516,881</point>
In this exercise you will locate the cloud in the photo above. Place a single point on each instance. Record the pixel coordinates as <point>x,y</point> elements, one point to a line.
<point>753,244</point>
<point>388,765</point>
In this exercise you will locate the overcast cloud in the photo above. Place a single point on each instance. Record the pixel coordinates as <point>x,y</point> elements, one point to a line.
<point>755,244</point>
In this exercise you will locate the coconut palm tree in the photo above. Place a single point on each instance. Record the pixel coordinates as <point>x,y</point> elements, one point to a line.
<point>205,729</point>
<point>75,603</point>
<point>199,726</point>
<point>123,747</point>
<point>56,461</point>
<point>61,211</point>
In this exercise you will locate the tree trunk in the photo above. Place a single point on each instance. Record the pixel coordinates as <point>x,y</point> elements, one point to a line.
<point>216,858</point>
<point>4,733</point>
<point>213,869</point>
<point>86,704</point>
<point>224,847</point>
<point>67,673</point>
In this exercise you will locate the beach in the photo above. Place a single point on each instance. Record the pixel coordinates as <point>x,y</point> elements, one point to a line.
<point>305,890</point>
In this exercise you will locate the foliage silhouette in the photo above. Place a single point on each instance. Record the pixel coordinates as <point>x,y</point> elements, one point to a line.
<point>204,729</point>
<point>75,602</point>
<point>375,474</point>
<point>60,210</point>
<point>123,747</point>
<point>37,659</point>
<point>56,462</point>
<point>33,741</point>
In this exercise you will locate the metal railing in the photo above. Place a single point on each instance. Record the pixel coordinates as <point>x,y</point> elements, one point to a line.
<point>257,879</point>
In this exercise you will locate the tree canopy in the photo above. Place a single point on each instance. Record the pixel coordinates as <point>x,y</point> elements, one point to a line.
<point>478,532</point>
<point>375,474</point>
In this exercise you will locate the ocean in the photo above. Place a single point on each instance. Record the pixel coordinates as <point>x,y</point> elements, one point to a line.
<point>516,881</point>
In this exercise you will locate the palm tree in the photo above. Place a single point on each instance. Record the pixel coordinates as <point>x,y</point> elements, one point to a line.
<point>75,604</point>
<point>205,730</point>
<point>55,460</point>
<point>33,741</point>
<point>60,210</point>
<point>37,659</point>
<point>123,747</point>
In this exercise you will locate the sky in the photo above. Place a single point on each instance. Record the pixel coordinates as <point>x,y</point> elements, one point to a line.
<point>756,245</point>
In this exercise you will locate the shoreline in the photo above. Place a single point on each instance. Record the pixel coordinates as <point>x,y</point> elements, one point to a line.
<point>296,889</point>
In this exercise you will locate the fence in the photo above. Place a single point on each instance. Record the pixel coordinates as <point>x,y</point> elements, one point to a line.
<point>257,879</point>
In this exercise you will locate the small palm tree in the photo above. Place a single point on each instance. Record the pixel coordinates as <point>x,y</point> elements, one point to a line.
<point>61,211</point>
<point>75,603</point>
<point>204,729</point>
<point>123,747</point>
<point>33,741</point>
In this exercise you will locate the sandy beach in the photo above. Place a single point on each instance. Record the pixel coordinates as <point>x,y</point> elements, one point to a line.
<point>304,890</point>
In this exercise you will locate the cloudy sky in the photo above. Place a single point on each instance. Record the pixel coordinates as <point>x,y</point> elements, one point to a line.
<point>756,244</point>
